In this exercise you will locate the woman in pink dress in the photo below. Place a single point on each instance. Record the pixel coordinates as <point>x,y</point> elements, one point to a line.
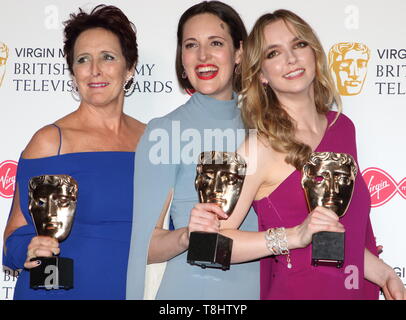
<point>287,97</point>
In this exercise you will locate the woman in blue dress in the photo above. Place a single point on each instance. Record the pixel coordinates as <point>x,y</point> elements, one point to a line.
<point>210,37</point>
<point>95,145</point>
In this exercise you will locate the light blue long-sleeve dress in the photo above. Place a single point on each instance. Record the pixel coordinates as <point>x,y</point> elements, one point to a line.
<point>176,140</point>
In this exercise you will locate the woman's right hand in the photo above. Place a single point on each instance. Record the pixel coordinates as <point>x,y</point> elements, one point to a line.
<point>205,217</point>
<point>320,219</point>
<point>40,246</point>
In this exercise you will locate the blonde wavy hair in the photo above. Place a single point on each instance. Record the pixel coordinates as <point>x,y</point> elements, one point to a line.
<point>261,109</point>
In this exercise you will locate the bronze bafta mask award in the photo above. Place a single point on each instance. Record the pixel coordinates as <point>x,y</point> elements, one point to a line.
<point>52,204</point>
<point>328,181</point>
<point>219,180</point>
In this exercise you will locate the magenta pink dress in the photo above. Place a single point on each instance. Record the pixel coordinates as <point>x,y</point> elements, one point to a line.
<point>286,207</point>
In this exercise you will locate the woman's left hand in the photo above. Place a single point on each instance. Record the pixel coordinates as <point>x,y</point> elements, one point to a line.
<point>382,274</point>
<point>394,288</point>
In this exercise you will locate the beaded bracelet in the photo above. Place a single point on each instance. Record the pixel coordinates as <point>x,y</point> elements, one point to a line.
<point>277,243</point>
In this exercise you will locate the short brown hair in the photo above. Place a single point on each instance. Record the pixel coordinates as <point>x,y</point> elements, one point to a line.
<point>226,14</point>
<point>110,18</point>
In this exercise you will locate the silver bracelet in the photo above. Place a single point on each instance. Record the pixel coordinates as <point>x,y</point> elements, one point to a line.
<point>277,243</point>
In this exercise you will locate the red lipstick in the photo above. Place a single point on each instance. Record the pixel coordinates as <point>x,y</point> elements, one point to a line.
<point>206,71</point>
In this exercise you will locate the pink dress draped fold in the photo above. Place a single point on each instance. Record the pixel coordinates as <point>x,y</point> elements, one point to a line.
<point>286,207</point>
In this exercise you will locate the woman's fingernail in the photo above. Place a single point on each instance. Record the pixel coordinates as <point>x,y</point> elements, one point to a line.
<point>38,262</point>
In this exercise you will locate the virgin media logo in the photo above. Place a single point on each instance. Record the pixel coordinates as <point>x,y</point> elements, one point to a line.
<point>8,170</point>
<point>382,186</point>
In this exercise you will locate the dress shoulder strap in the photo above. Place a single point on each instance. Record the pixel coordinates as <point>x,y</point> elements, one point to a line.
<point>60,137</point>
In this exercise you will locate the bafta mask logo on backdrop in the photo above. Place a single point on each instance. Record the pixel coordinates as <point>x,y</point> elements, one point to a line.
<point>382,187</point>
<point>348,62</point>
<point>3,60</point>
<point>8,170</point>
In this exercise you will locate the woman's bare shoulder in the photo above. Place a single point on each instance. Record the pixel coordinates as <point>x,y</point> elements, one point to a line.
<point>44,143</point>
<point>255,148</point>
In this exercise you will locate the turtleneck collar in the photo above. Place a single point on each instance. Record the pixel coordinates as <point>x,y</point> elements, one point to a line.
<point>216,109</point>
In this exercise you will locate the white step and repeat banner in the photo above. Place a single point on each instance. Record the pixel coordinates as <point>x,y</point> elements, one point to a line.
<point>365,41</point>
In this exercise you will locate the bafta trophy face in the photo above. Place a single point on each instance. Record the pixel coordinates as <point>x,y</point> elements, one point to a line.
<point>219,178</point>
<point>328,181</point>
<point>52,204</point>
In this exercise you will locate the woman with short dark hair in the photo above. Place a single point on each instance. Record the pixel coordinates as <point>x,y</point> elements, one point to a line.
<point>95,145</point>
<point>210,38</point>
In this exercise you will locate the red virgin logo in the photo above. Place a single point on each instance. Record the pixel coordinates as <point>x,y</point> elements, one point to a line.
<point>8,170</point>
<point>382,186</point>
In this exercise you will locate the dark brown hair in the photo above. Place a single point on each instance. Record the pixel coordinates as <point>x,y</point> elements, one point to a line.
<point>226,14</point>
<point>107,17</point>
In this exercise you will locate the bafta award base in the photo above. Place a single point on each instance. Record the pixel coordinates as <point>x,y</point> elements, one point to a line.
<point>328,249</point>
<point>52,273</point>
<point>209,250</point>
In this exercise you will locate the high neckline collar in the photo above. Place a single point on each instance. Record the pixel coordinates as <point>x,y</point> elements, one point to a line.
<point>216,109</point>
